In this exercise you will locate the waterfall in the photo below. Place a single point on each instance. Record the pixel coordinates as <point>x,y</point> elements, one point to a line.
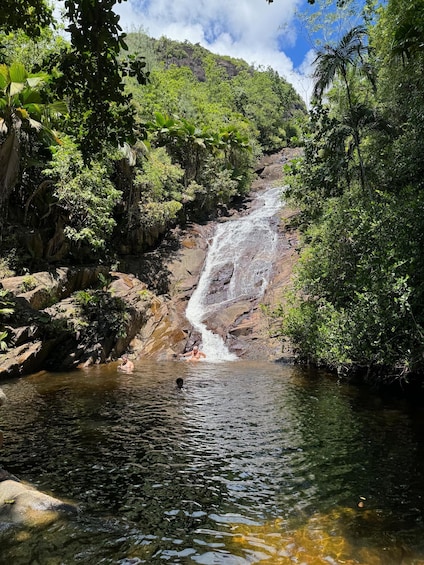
<point>237,267</point>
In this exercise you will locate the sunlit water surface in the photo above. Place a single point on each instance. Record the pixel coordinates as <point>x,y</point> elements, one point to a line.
<point>249,463</point>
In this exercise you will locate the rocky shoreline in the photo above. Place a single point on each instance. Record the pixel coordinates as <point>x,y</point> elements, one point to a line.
<point>155,289</point>
<point>143,302</point>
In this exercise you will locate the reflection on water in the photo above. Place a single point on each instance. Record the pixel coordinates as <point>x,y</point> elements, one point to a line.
<point>248,463</point>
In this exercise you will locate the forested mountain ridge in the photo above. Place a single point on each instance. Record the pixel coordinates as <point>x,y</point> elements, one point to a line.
<point>167,52</point>
<point>242,94</point>
<point>186,54</point>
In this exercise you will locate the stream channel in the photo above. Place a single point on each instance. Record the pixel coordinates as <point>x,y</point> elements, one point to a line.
<point>251,462</point>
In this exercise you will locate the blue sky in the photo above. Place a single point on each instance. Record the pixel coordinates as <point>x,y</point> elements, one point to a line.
<point>264,35</point>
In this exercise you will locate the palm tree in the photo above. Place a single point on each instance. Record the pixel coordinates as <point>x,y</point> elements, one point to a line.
<point>21,108</point>
<point>332,62</point>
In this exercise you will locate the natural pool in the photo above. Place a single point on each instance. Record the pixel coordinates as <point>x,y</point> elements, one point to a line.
<point>250,463</point>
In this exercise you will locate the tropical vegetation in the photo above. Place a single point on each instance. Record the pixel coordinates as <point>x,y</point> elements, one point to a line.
<point>108,141</point>
<point>357,304</point>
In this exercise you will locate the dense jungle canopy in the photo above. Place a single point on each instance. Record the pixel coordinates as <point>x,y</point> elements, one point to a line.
<point>107,141</point>
<point>358,299</point>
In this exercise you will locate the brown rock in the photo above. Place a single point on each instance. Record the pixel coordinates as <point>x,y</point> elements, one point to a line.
<point>25,359</point>
<point>248,330</point>
<point>21,503</point>
<point>42,289</point>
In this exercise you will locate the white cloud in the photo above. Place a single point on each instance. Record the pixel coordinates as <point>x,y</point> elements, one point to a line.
<point>252,30</point>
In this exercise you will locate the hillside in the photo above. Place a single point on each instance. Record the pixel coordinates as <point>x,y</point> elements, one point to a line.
<point>165,53</point>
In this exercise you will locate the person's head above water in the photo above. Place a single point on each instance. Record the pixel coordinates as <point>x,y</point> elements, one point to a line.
<point>179,382</point>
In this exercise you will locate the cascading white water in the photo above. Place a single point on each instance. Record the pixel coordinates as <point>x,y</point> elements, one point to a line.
<point>242,251</point>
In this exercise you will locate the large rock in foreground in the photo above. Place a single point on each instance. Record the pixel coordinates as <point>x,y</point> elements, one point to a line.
<point>21,503</point>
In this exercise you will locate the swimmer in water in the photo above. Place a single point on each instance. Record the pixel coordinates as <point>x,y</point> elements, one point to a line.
<point>194,355</point>
<point>126,365</point>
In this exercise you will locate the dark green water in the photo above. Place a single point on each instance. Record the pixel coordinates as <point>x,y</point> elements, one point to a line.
<point>249,463</point>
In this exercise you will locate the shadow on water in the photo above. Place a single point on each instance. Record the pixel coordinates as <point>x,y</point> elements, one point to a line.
<point>249,463</point>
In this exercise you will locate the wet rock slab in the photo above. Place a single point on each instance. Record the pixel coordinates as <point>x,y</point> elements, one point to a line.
<point>21,503</point>
<point>245,325</point>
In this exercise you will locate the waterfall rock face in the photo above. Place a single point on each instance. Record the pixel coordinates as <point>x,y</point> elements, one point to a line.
<point>247,264</point>
<point>213,278</point>
<point>237,269</point>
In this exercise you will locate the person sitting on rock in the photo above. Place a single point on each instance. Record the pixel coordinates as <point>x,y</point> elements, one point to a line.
<point>194,355</point>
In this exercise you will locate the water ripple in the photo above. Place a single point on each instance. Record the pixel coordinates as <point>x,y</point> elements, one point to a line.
<point>244,464</point>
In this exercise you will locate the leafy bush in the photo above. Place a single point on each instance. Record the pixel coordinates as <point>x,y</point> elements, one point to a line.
<point>104,316</point>
<point>85,195</point>
<point>358,301</point>
<point>6,310</point>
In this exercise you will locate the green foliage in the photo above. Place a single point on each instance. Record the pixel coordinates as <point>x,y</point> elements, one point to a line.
<point>210,90</point>
<point>215,164</point>
<point>153,199</point>
<point>7,308</point>
<point>269,103</point>
<point>31,16</point>
<point>360,285</point>
<point>3,342</point>
<point>336,61</point>
<point>34,54</point>
<point>22,111</point>
<point>360,280</point>
<point>324,170</point>
<point>84,297</point>
<point>104,280</point>
<point>160,176</point>
<point>105,317</point>
<point>85,194</point>
<point>28,283</point>
<point>159,200</point>
<point>92,76</point>
<point>6,305</point>
<point>145,294</point>
<point>6,269</point>
<point>397,43</point>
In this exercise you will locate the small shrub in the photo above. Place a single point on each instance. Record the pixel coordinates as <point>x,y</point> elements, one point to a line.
<point>85,297</point>
<point>28,283</point>
<point>3,344</point>
<point>6,305</point>
<point>5,269</point>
